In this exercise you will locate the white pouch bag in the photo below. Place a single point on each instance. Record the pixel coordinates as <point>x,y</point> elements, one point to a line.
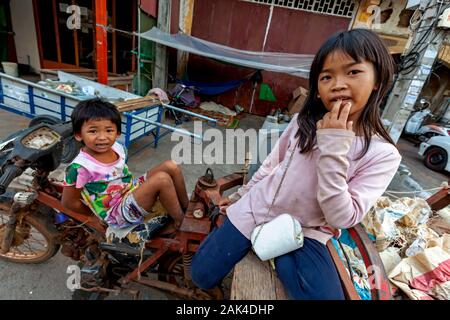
<point>277,237</point>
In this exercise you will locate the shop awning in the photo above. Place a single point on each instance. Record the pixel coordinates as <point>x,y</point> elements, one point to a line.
<point>294,64</point>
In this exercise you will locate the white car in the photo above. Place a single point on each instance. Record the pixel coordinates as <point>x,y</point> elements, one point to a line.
<point>435,152</point>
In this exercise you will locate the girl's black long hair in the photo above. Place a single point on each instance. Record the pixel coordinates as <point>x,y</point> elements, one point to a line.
<point>360,44</point>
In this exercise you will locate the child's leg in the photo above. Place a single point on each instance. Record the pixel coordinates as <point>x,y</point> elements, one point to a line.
<point>309,273</point>
<point>161,185</point>
<point>217,255</point>
<point>172,169</point>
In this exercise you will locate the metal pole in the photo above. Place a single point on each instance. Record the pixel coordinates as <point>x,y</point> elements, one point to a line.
<point>165,126</point>
<point>101,17</point>
<point>189,113</point>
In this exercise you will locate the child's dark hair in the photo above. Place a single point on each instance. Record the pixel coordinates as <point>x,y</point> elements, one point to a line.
<point>95,109</point>
<point>360,44</point>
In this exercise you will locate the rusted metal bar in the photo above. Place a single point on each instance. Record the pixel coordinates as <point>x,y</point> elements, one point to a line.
<point>147,263</point>
<point>193,225</point>
<point>172,288</point>
<point>10,228</point>
<point>347,282</point>
<point>230,181</point>
<point>90,220</point>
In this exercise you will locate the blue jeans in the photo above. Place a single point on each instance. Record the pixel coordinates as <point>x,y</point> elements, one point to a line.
<point>307,273</point>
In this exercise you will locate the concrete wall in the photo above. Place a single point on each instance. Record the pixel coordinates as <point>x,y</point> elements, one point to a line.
<point>25,33</point>
<point>393,17</point>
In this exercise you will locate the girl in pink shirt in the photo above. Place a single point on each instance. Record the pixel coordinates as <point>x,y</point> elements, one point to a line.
<point>339,160</point>
<point>98,180</point>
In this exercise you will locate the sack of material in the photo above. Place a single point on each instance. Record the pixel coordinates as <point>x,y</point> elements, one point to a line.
<point>277,237</point>
<point>426,275</point>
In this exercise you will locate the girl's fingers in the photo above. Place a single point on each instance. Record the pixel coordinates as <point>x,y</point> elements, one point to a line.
<point>350,125</point>
<point>223,209</point>
<point>224,201</point>
<point>319,124</point>
<point>345,112</point>
<point>334,113</point>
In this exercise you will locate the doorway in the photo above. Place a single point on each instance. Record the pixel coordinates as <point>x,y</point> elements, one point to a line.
<point>65,45</point>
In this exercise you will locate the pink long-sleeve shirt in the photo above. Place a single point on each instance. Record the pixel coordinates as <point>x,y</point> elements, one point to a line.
<point>326,190</point>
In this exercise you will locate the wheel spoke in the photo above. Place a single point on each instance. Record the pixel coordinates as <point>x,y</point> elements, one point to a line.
<point>43,243</point>
<point>34,245</point>
<point>29,246</point>
<point>20,251</point>
<point>26,244</point>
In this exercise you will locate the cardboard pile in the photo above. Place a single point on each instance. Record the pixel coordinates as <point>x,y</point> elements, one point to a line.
<point>415,254</point>
<point>299,96</point>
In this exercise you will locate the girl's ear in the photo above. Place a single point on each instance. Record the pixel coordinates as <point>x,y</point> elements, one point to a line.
<point>78,137</point>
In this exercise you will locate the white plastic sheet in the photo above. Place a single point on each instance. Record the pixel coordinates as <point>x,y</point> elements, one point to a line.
<point>294,64</point>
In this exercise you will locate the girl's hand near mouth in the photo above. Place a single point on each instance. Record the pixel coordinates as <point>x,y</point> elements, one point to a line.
<point>335,119</point>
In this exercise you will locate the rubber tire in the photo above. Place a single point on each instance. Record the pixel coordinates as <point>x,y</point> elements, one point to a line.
<point>48,230</point>
<point>435,151</point>
<point>71,146</point>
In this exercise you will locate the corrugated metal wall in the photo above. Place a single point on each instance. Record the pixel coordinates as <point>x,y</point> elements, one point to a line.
<point>243,25</point>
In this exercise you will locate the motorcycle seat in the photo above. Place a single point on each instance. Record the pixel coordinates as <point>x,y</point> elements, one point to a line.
<point>145,231</point>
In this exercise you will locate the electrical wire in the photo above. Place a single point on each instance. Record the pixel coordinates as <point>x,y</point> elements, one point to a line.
<point>410,60</point>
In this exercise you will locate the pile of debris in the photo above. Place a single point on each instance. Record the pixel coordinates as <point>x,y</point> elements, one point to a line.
<point>414,245</point>
<point>69,87</point>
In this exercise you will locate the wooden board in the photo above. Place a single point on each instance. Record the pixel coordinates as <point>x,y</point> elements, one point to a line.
<point>222,119</point>
<point>254,279</point>
<point>139,103</point>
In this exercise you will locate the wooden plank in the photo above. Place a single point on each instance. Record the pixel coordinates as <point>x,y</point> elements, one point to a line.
<point>254,279</point>
<point>161,57</point>
<point>136,104</point>
<point>439,200</point>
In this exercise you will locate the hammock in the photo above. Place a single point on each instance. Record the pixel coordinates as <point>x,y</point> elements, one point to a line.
<point>213,88</point>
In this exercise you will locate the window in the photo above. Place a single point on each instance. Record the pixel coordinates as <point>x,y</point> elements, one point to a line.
<point>344,8</point>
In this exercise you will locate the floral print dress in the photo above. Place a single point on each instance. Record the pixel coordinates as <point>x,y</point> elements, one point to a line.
<point>104,185</point>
